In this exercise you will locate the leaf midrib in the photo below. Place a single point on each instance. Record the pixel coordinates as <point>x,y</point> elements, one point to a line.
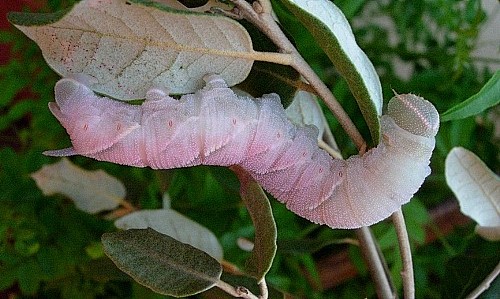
<point>248,54</point>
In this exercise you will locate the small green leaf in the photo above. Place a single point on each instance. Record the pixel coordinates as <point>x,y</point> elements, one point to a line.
<point>350,7</point>
<point>139,291</point>
<point>162,263</point>
<point>103,270</point>
<point>388,239</point>
<point>487,97</point>
<point>258,206</point>
<point>51,263</point>
<point>8,277</point>
<point>20,109</point>
<point>94,250</point>
<point>35,19</point>
<point>332,31</point>
<point>464,273</point>
<point>11,85</point>
<point>29,276</point>
<point>16,112</point>
<point>26,242</point>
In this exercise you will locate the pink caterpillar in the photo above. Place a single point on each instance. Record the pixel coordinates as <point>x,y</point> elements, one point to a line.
<point>216,127</point>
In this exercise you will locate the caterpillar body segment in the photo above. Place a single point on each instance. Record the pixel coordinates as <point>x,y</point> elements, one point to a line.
<point>214,126</point>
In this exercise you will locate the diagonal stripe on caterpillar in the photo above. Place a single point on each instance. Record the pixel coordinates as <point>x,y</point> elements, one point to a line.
<point>216,127</point>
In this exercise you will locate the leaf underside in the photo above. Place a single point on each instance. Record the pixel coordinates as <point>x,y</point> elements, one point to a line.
<point>91,191</point>
<point>123,49</point>
<point>476,187</point>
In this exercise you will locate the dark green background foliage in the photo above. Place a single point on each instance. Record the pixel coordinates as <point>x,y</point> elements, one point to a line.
<point>49,249</point>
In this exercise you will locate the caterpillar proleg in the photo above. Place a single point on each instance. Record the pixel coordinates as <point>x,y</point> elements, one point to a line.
<point>216,127</point>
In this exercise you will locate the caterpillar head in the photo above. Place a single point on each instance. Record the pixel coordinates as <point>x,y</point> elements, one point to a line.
<point>414,114</point>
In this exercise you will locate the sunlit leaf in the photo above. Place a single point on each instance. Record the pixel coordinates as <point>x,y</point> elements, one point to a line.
<point>162,263</point>
<point>258,206</point>
<point>487,97</point>
<point>477,189</point>
<point>91,191</point>
<point>332,31</point>
<point>94,250</point>
<point>175,225</point>
<point>123,48</point>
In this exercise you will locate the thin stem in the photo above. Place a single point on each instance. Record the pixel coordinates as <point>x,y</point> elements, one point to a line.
<point>231,268</point>
<point>372,257</point>
<point>238,292</point>
<point>404,246</point>
<point>485,284</point>
<point>249,13</point>
<point>263,20</point>
<point>126,209</point>
<point>279,58</point>
<point>331,102</point>
<point>328,135</point>
<point>371,253</point>
<point>264,292</point>
<point>130,207</point>
<point>260,16</point>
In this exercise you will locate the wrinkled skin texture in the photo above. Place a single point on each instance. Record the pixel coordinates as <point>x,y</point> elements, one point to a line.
<point>216,127</point>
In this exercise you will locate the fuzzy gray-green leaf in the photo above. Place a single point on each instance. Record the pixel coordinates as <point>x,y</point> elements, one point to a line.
<point>162,263</point>
<point>258,206</point>
<point>331,30</point>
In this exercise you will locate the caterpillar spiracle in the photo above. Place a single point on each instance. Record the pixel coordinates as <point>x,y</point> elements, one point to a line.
<point>216,127</point>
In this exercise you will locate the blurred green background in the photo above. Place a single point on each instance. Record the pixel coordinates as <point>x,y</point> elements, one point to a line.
<point>49,249</point>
